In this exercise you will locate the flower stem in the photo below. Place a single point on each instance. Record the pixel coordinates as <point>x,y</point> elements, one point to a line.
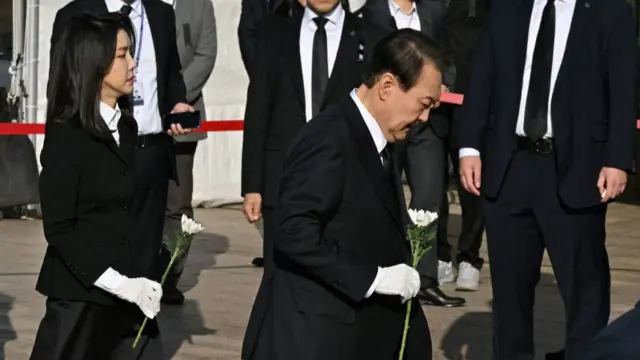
<point>407,316</point>
<point>174,256</point>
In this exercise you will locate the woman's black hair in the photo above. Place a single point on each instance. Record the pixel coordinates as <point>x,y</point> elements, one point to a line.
<point>81,59</point>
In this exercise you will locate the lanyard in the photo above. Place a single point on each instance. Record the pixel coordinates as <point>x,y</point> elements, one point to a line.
<point>140,34</point>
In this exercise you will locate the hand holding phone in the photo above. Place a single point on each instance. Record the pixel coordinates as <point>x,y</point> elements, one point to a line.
<point>187,120</point>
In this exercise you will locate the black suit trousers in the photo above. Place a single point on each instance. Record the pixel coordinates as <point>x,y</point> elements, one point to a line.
<point>526,218</point>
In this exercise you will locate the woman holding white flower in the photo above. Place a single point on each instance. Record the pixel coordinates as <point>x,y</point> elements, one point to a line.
<point>96,295</point>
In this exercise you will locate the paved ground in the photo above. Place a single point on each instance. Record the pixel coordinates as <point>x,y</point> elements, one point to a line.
<point>220,287</point>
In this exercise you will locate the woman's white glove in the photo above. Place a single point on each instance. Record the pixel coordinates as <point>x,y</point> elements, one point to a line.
<point>141,291</point>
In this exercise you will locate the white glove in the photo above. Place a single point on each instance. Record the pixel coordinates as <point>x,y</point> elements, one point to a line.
<point>140,291</point>
<point>401,279</point>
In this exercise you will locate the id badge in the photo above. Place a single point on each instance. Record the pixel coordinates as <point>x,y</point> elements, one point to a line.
<point>138,94</point>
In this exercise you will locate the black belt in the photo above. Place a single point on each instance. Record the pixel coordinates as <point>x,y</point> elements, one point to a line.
<point>150,140</point>
<point>543,146</point>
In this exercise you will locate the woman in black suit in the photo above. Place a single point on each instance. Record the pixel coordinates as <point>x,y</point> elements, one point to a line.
<point>95,294</point>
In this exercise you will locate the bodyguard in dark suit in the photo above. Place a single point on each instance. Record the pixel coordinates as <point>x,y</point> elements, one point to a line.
<point>551,102</point>
<point>159,90</point>
<point>423,155</point>
<point>97,290</point>
<point>465,22</point>
<point>340,276</point>
<point>300,68</point>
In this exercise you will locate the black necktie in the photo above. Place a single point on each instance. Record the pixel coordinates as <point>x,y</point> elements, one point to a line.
<point>535,116</point>
<point>385,155</point>
<point>319,65</point>
<point>125,10</point>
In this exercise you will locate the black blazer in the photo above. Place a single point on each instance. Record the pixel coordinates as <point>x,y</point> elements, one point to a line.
<point>340,218</point>
<point>275,109</point>
<point>162,20</point>
<point>432,23</point>
<point>252,18</point>
<point>86,187</point>
<point>593,105</point>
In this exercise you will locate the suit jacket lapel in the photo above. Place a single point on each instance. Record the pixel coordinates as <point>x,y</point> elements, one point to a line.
<point>347,55</point>
<point>381,13</point>
<point>126,138</point>
<point>370,161</point>
<point>521,35</point>
<point>578,23</point>
<point>154,17</point>
<point>293,64</point>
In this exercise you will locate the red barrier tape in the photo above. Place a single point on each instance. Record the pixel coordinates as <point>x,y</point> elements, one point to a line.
<point>207,126</point>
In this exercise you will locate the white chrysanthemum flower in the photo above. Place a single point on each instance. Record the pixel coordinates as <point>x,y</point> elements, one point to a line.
<point>422,218</point>
<point>189,226</point>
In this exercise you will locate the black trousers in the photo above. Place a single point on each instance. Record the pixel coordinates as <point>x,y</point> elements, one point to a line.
<point>423,157</point>
<point>527,218</point>
<point>179,198</point>
<point>470,239</point>
<point>148,206</point>
<point>84,331</point>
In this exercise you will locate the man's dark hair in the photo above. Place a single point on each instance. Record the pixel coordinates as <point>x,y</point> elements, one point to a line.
<point>81,59</point>
<point>403,53</point>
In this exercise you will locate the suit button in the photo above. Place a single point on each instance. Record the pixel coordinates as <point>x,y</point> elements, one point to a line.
<point>125,207</point>
<point>124,172</point>
<point>124,241</point>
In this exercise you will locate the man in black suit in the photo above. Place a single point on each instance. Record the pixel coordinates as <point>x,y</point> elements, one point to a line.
<point>340,276</point>
<point>465,21</point>
<point>619,340</point>
<point>423,156</point>
<point>302,65</point>
<point>551,102</point>
<point>158,90</point>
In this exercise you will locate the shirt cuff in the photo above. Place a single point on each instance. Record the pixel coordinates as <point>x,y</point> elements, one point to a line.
<point>376,281</point>
<point>109,280</point>
<point>468,152</point>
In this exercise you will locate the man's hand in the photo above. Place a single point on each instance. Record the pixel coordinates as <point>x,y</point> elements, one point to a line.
<point>252,207</point>
<point>401,280</point>
<point>470,173</point>
<point>176,129</point>
<point>611,183</point>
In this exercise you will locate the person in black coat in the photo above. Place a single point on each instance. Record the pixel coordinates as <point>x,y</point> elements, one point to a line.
<point>340,279</point>
<point>283,94</point>
<point>95,288</point>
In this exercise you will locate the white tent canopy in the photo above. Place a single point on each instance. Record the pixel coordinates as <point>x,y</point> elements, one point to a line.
<point>217,163</point>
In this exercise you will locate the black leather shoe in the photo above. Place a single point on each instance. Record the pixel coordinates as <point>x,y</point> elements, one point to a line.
<point>555,356</point>
<point>257,262</point>
<point>174,297</point>
<point>435,297</point>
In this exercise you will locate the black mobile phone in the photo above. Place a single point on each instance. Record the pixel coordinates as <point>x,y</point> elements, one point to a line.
<point>188,120</point>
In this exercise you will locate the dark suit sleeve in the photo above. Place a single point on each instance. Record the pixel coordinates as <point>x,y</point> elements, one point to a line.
<point>311,194</point>
<point>475,109</point>
<point>442,36</point>
<point>247,31</point>
<point>176,90</point>
<point>60,181</point>
<point>257,117</point>
<point>622,72</point>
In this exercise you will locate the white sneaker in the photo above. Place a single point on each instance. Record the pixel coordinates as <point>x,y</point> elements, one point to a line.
<point>445,272</point>
<point>468,277</point>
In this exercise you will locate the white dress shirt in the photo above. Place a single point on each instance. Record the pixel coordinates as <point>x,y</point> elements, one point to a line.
<point>308,28</point>
<point>564,16</point>
<point>111,116</point>
<point>381,142</point>
<point>110,279</point>
<point>147,115</point>
<point>403,19</point>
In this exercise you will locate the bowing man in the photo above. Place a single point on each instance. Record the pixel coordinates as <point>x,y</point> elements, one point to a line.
<point>94,297</point>
<point>340,278</point>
